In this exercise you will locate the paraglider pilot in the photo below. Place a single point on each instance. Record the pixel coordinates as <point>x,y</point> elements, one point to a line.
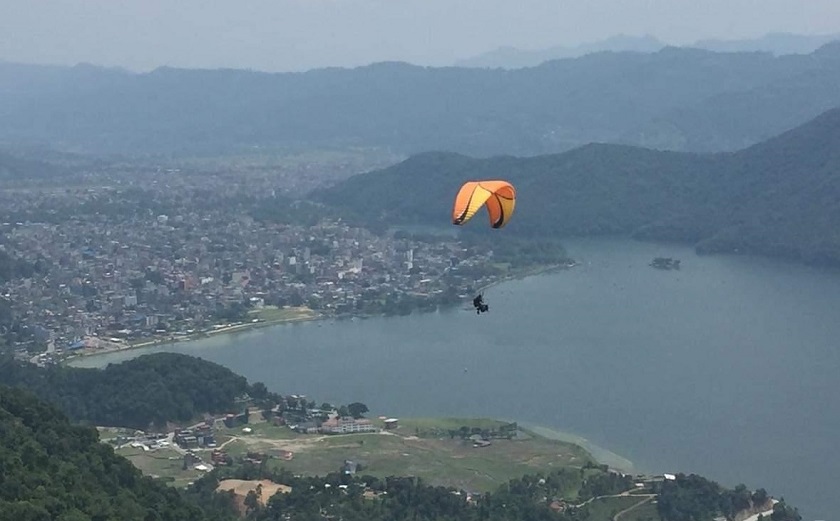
<point>480,306</point>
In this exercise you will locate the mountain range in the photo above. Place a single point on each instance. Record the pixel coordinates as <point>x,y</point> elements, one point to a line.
<point>775,43</point>
<point>675,99</point>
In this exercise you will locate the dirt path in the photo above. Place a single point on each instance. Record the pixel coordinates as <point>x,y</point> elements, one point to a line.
<point>648,498</point>
<point>626,493</point>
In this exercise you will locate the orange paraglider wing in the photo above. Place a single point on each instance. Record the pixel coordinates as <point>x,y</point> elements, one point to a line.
<point>498,196</point>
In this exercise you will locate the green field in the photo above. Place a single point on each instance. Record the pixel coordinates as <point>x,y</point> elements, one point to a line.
<point>604,509</point>
<point>432,455</point>
<point>259,430</point>
<point>439,460</point>
<point>645,512</point>
<point>164,463</point>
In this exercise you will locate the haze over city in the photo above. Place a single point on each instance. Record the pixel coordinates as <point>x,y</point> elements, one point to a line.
<point>294,35</point>
<point>390,260</point>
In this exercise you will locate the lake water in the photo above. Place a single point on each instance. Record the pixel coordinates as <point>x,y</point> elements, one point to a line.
<point>727,368</point>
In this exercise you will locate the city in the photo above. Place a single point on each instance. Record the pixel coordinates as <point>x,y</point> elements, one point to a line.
<point>161,257</point>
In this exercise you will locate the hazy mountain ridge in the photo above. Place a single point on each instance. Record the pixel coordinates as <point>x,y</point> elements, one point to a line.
<point>739,118</point>
<point>780,197</point>
<point>513,58</point>
<point>775,43</point>
<point>602,97</point>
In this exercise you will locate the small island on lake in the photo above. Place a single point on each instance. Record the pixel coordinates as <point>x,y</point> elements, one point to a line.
<point>665,263</point>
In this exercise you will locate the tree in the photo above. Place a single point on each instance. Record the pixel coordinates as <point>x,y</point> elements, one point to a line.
<point>357,409</point>
<point>258,391</point>
<point>251,501</point>
<point>760,497</point>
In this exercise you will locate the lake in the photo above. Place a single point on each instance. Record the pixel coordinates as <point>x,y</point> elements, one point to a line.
<point>727,368</point>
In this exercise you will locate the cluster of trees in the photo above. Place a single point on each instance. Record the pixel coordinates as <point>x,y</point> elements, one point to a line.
<point>505,430</point>
<point>779,197</point>
<point>11,268</point>
<point>692,497</point>
<point>147,391</point>
<point>54,470</point>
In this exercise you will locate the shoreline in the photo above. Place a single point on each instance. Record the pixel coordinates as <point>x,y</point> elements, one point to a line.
<point>601,455</point>
<point>533,272</point>
<point>309,316</point>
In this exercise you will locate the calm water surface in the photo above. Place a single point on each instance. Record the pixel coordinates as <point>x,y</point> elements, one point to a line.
<point>727,368</point>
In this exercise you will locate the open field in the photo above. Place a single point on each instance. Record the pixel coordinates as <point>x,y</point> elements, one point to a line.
<point>274,314</point>
<point>438,460</point>
<point>605,508</point>
<point>164,463</point>
<point>643,512</point>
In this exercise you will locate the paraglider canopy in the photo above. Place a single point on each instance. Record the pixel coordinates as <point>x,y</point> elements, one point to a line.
<point>498,196</point>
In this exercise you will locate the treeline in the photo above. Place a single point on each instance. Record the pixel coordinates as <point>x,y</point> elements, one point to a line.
<point>142,393</point>
<point>366,497</point>
<point>505,430</point>
<point>694,498</point>
<point>50,469</point>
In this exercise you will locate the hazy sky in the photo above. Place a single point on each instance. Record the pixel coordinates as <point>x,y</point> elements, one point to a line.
<point>277,35</point>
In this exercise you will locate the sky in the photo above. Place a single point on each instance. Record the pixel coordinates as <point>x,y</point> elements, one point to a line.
<point>294,35</point>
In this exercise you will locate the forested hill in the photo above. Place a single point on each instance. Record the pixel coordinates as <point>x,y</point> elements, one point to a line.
<point>779,197</point>
<point>147,390</point>
<point>679,99</point>
<point>54,470</point>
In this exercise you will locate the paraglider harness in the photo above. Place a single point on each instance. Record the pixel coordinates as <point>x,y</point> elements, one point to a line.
<point>480,306</point>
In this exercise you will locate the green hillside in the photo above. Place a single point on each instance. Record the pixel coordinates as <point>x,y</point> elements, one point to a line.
<point>54,470</point>
<point>780,197</point>
<point>147,390</point>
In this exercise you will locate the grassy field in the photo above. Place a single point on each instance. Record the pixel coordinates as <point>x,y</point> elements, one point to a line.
<point>646,512</point>
<point>275,314</point>
<point>260,430</point>
<point>439,460</point>
<point>165,463</point>
<point>433,455</point>
<point>109,433</point>
<point>604,509</point>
